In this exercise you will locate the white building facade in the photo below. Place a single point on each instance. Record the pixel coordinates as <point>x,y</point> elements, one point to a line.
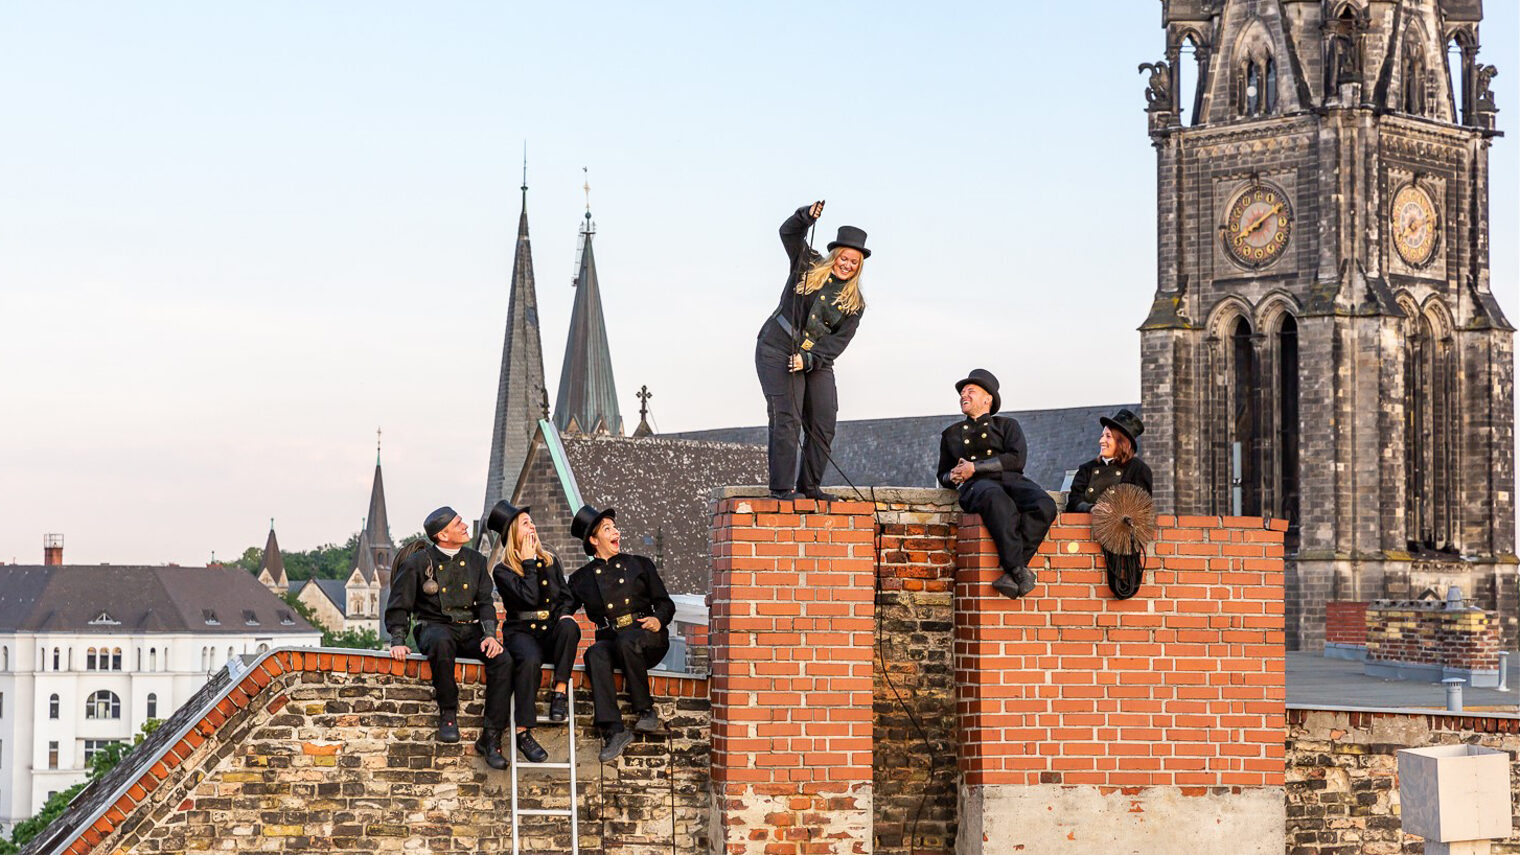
<point>88,654</point>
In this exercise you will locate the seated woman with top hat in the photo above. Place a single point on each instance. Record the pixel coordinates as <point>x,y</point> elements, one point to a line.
<point>1118,462</point>
<point>626,599</point>
<point>540,620</point>
<point>820,309</point>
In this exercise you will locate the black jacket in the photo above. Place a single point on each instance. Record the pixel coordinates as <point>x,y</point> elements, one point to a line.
<point>1094,478</point>
<point>626,585</point>
<point>820,331</point>
<point>994,443</point>
<point>464,592</point>
<point>540,589</point>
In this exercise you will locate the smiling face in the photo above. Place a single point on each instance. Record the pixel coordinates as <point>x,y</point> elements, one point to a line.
<point>1107,443</point>
<point>846,263</point>
<point>606,539</point>
<point>975,401</point>
<point>455,534</point>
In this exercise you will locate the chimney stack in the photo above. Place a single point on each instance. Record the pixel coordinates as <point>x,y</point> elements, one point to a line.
<point>52,549</point>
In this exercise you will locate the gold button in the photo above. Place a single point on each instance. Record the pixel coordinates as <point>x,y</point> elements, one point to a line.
<point>965,427</point>
<point>967,441</point>
<point>532,626</point>
<point>445,590</point>
<point>625,601</point>
<point>620,581</point>
<point>984,436</point>
<point>598,571</point>
<point>461,562</point>
<point>467,586</point>
<point>544,582</point>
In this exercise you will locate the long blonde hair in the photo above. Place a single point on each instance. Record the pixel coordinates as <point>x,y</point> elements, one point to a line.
<point>850,299</point>
<point>506,550</point>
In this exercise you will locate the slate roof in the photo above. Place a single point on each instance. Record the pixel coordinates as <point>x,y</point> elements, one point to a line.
<point>520,392</point>
<point>903,452</point>
<point>377,524</point>
<point>112,599</point>
<point>273,561</point>
<point>335,590</point>
<point>587,395</point>
<point>661,487</point>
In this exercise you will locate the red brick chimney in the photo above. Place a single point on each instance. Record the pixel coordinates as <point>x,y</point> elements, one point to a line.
<point>52,549</point>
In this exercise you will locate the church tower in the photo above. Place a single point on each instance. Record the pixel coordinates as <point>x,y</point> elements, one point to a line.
<point>587,399</point>
<point>520,393</point>
<point>1324,345</point>
<point>377,529</point>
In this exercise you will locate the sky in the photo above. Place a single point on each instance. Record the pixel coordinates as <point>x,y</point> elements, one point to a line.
<point>237,238</point>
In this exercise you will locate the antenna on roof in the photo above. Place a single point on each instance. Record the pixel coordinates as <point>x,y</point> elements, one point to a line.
<point>525,167</point>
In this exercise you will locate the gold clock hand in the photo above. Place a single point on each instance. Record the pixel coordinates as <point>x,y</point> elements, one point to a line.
<point>1256,223</point>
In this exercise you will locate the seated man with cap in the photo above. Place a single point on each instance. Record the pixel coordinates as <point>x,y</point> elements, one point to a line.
<point>446,587</point>
<point>982,458</point>
<point>626,599</point>
<point>1118,462</point>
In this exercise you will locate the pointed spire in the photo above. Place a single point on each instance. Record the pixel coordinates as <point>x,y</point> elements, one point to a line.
<point>272,568</point>
<point>364,557</point>
<point>587,392</point>
<point>521,383</point>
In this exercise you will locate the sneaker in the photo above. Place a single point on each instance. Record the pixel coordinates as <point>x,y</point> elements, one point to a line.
<point>648,722</point>
<point>489,744</point>
<point>531,750</point>
<point>448,727</point>
<point>613,745</point>
<point>559,707</point>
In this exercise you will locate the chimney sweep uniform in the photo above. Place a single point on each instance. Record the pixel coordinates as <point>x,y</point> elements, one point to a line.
<point>1016,511</point>
<point>538,626</point>
<point>449,595</point>
<point>617,593</point>
<point>815,327</point>
<point>1096,476</point>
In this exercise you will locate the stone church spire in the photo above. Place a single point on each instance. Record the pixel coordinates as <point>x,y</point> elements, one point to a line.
<point>520,389</point>
<point>377,529</point>
<point>587,400</point>
<point>272,569</point>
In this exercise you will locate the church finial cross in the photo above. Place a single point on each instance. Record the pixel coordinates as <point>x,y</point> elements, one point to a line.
<point>644,395</point>
<point>544,402</point>
<point>377,446</point>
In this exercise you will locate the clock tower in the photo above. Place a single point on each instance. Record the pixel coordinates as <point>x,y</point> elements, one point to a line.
<point>1324,345</point>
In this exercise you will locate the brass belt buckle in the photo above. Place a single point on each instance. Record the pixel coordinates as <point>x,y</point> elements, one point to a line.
<point>541,615</point>
<point>622,621</point>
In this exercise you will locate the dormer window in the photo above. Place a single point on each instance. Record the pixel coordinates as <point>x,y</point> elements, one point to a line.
<point>209,615</point>
<point>286,619</point>
<point>249,618</point>
<point>104,619</point>
<point>1256,73</point>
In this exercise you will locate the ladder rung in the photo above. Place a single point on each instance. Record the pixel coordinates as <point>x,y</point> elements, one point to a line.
<point>543,812</point>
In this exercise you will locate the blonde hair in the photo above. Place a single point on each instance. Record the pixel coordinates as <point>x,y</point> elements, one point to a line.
<point>506,550</point>
<point>850,299</point>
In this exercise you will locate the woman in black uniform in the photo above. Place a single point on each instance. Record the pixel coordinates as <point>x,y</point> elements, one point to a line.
<point>539,624</point>
<point>819,311</point>
<point>1118,462</point>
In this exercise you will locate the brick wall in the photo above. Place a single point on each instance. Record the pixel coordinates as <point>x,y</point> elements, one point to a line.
<point>1426,632</point>
<point>336,751</point>
<point>914,772</point>
<point>1346,623</point>
<point>1181,686</point>
<point>792,620</point>
<point>1341,775</point>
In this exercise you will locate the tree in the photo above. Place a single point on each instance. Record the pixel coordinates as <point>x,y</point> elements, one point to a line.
<point>101,763</point>
<point>358,639</point>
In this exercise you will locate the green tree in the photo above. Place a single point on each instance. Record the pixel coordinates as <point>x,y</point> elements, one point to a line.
<point>358,639</point>
<point>101,763</point>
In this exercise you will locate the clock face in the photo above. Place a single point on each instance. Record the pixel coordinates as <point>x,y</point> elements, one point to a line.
<point>1257,227</point>
<point>1415,225</point>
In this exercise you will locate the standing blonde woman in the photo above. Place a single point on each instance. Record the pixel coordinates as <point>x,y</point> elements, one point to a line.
<point>818,314</point>
<point>539,624</point>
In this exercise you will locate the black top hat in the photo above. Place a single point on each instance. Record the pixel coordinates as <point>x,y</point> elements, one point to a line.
<point>853,238</point>
<point>1126,423</point>
<point>983,378</point>
<point>501,517</point>
<point>585,522</point>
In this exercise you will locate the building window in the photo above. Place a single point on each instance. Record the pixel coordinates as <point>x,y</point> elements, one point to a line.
<point>209,616</point>
<point>53,754</point>
<point>55,659</point>
<point>1287,420</point>
<point>95,746</point>
<point>152,658</point>
<point>152,705</point>
<point>115,658</point>
<point>103,704</point>
<point>1245,498</point>
<point>2,703</point>
<point>53,707</point>
<point>89,659</point>
<point>5,654</point>
<point>1429,442</point>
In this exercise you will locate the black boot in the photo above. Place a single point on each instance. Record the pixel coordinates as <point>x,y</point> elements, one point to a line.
<point>818,495</point>
<point>648,722</point>
<point>613,745</point>
<point>448,726</point>
<point>559,707</point>
<point>531,750</point>
<point>489,744</point>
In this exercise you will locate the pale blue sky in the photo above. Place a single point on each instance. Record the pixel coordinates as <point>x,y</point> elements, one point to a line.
<point>236,237</point>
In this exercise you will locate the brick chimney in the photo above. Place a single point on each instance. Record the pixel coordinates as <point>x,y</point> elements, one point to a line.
<point>52,549</point>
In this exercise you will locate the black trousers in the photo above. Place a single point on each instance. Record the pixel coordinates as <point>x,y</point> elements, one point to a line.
<point>797,404</point>
<point>1017,514</point>
<point>528,651</point>
<point>442,644</point>
<point>633,651</point>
